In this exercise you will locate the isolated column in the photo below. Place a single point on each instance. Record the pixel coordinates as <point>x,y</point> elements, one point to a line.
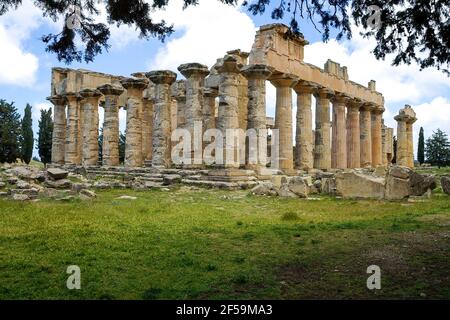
<point>229,70</point>
<point>410,142</point>
<point>90,126</point>
<point>322,149</point>
<point>59,128</point>
<point>110,151</point>
<point>161,118</point>
<point>365,122</point>
<point>339,125</point>
<point>133,145</point>
<point>377,113</point>
<point>304,141</point>
<point>71,155</point>
<point>353,134</point>
<point>283,118</point>
<point>256,111</point>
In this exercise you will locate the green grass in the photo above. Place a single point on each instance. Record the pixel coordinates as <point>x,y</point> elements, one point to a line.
<point>210,244</point>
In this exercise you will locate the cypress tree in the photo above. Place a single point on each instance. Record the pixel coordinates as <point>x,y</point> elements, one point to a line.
<point>394,158</point>
<point>45,136</point>
<point>421,147</point>
<point>27,140</point>
<point>9,132</point>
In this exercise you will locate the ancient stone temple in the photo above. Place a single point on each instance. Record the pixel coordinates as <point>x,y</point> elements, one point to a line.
<point>349,130</point>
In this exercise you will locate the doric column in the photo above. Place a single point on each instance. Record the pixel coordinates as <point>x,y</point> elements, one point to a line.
<point>133,145</point>
<point>304,140</point>
<point>402,142</point>
<point>179,92</point>
<point>353,134</point>
<point>322,148</point>
<point>283,117</point>
<point>229,71</point>
<point>365,122</point>
<point>209,108</point>
<point>89,126</point>
<point>195,74</point>
<point>59,129</point>
<point>257,75</point>
<point>162,117</point>
<point>242,58</point>
<point>340,133</point>
<point>410,144</point>
<point>110,151</point>
<point>73,141</point>
<point>377,113</point>
<point>147,121</point>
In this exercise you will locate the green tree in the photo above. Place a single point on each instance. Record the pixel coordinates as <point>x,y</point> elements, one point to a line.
<point>122,140</point>
<point>27,140</point>
<point>421,147</point>
<point>44,145</point>
<point>409,29</point>
<point>100,145</point>
<point>9,132</point>
<point>437,149</point>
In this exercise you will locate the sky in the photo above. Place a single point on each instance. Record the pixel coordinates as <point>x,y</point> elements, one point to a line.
<point>204,33</point>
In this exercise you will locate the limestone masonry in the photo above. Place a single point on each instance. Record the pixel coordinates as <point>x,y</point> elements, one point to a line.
<point>349,127</point>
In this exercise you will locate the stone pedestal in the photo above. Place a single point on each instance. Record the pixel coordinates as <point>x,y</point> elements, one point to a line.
<point>304,140</point>
<point>162,79</point>
<point>365,122</point>
<point>283,118</point>
<point>110,151</point>
<point>72,156</point>
<point>339,139</point>
<point>322,149</point>
<point>256,114</point>
<point>353,134</point>
<point>133,145</point>
<point>90,126</point>
<point>195,74</point>
<point>377,136</point>
<point>59,129</point>
<point>405,143</point>
<point>228,119</point>
<point>147,122</point>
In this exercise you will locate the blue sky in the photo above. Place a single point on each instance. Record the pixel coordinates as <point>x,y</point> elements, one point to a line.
<point>203,34</point>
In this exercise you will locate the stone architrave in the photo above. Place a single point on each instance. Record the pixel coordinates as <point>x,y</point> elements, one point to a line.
<point>195,74</point>
<point>322,148</point>
<point>377,147</point>
<point>339,139</point>
<point>304,140</point>
<point>353,134</point>
<point>90,126</point>
<point>283,118</point>
<point>256,111</point>
<point>147,121</point>
<point>162,79</point>
<point>133,145</point>
<point>73,140</point>
<point>59,128</point>
<point>209,108</point>
<point>405,143</point>
<point>228,114</point>
<point>110,151</point>
<point>365,122</point>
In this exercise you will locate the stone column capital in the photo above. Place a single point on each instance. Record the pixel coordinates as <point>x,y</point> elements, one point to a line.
<point>378,109</point>
<point>162,76</point>
<point>134,83</point>
<point>367,106</point>
<point>229,64</point>
<point>283,80</point>
<point>72,96</point>
<point>90,93</point>
<point>210,92</point>
<point>323,92</point>
<point>341,98</point>
<point>110,90</point>
<point>193,69</point>
<point>303,86</point>
<point>257,71</point>
<point>354,104</point>
<point>57,100</point>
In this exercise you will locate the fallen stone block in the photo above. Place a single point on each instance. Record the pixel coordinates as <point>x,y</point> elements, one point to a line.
<point>358,185</point>
<point>57,174</point>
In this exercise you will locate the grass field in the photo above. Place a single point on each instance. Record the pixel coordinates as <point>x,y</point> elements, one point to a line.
<point>211,244</point>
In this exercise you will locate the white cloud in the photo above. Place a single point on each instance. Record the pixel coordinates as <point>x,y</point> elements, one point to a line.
<point>432,115</point>
<point>208,31</point>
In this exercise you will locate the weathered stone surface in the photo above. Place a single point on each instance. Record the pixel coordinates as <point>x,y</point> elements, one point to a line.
<point>57,174</point>
<point>20,197</point>
<point>358,185</point>
<point>399,172</point>
<point>171,179</point>
<point>2,185</point>
<point>59,184</point>
<point>264,189</point>
<point>88,193</point>
<point>396,188</point>
<point>298,186</point>
<point>329,186</point>
<point>285,192</point>
<point>22,184</point>
<point>445,183</point>
<point>420,183</point>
